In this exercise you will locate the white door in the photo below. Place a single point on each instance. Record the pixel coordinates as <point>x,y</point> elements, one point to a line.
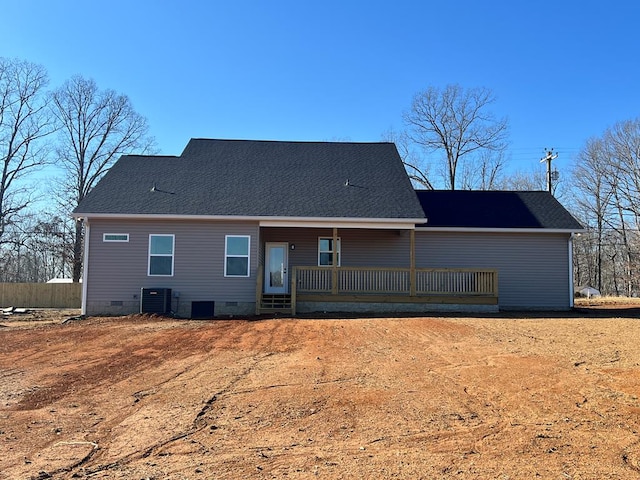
<point>276,268</point>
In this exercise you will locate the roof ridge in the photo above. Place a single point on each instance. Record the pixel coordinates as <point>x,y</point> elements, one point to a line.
<point>338,142</point>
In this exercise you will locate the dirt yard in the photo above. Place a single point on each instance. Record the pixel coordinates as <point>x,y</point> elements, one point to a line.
<point>505,397</point>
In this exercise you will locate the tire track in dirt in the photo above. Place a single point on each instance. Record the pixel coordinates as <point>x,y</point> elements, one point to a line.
<point>200,422</point>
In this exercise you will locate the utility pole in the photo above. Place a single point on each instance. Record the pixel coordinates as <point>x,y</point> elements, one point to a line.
<point>551,176</point>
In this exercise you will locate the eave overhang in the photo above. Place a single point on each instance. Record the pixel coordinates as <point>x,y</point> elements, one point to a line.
<point>309,222</point>
<point>496,230</point>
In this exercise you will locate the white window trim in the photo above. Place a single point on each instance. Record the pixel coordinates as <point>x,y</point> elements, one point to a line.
<point>172,255</point>
<point>247,256</point>
<point>329,251</point>
<point>112,240</point>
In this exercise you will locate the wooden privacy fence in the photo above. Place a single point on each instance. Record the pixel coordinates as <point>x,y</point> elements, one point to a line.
<point>41,295</point>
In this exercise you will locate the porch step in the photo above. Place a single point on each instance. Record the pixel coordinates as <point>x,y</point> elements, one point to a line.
<point>275,303</point>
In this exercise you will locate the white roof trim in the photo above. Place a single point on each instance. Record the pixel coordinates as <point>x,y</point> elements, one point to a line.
<point>317,222</point>
<point>341,223</point>
<point>496,230</point>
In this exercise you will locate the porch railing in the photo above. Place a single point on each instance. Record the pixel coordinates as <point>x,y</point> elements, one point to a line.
<point>364,284</point>
<point>395,281</point>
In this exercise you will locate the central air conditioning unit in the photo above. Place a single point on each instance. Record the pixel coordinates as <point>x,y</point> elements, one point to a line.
<point>155,300</point>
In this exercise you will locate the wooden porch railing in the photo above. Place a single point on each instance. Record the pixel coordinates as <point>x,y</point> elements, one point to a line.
<point>395,281</point>
<point>373,284</point>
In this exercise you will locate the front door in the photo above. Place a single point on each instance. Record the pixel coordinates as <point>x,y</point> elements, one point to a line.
<point>276,267</point>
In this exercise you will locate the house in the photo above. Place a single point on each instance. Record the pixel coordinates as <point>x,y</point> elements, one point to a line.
<point>235,227</point>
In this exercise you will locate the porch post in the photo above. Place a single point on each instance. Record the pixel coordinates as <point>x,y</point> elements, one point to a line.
<point>259,280</point>
<point>412,263</point>
<point>294,285</point>
<point>334,263</point>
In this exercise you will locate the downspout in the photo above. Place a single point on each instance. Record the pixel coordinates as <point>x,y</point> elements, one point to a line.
<point>571,286</point>
<point>85,267</point>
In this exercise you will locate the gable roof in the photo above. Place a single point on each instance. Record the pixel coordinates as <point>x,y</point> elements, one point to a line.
<point>450,209</point>
<point>249,178</point>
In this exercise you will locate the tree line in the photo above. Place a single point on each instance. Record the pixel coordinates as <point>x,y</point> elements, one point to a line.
<point>606,191</point>
<point>451,139</point>
<point>77,128</point>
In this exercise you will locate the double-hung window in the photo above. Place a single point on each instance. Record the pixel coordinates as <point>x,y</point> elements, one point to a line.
<point>161,253</point>
<point>326,249</point>
<point>236,255</point>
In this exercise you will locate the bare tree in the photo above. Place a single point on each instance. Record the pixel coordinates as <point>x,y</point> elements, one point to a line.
<point>24,121</point>
<point>523,180</point>
<point>457,122</point>
<point>96,127</point>
<point>623,140</point>
<point>417,169</point>
<point>486,173</point>
<point>594,193</point>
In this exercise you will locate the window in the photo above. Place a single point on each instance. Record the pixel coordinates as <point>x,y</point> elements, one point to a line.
<point>325,252</point>
<point>115,237</point>
<point>161,255</point>
<point>236,256</point>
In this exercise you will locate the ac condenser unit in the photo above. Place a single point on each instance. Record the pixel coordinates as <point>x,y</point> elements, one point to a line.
<point>155,300</point>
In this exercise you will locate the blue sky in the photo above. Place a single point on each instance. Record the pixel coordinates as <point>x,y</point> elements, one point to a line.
<point>563,71</point>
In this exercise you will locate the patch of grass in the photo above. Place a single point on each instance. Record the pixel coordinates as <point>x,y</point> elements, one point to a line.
<point>607,301</point>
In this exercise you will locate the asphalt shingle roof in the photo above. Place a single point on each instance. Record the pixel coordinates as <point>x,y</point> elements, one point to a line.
<point>495,209</point>
<point>260,178</point>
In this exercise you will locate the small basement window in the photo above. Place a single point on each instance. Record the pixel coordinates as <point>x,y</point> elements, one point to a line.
<point>115,237</point>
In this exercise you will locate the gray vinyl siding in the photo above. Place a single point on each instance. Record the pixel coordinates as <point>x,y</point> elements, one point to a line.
<point>533,269</point>
<point>360,248</point>
<point>118,270</point>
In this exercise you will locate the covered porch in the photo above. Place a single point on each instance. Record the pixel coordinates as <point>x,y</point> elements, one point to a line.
<point>394,284</point>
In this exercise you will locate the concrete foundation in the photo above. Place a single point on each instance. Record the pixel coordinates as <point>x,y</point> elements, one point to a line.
<point>372,307</point>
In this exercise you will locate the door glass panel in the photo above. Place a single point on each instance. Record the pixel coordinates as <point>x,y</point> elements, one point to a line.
<point>276,267</point>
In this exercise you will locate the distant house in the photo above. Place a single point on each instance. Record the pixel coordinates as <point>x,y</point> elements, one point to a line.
<point>234,227</point>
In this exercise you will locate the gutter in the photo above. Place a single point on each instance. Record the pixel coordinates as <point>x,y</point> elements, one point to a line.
<point>498,230</point>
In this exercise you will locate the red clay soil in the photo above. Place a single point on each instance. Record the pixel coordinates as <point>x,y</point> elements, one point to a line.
<point>504,397</point>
